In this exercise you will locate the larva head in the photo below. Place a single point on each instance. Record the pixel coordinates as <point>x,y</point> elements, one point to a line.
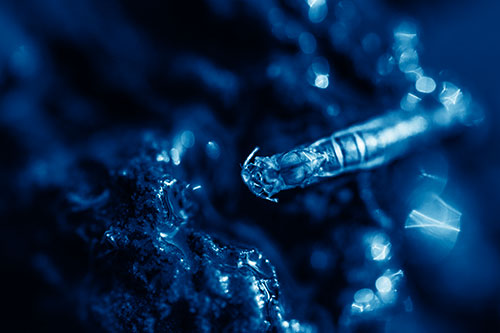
<point>261,176</point>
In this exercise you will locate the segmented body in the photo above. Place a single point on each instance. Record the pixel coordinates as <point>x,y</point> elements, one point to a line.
<point>363,146</point>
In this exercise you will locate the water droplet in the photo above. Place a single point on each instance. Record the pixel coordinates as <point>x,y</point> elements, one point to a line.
<point>317,10</point>
<point>436,221</point>
<point>385,64</point>
<point>332,110</point>
<point>371,43</point>
<point>451,97</point>
<point>364,296</point>
<point>187,139</point>
<point>408,61</point>
<point>163,157</point>
<point>380,247</point>
<point>321,81</point>
<point>307,43</point>
<point>364,300</point>
<point>319,259</point>
<point>273,71</point>
<point>174,153</point>
<point>383,284</point>
<point>409,102</point>
<point>425,85</point>
<point>405,35</point>
<point>212,150</point>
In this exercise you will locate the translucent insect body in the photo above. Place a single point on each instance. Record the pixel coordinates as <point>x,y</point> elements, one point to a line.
<point>359,147</point>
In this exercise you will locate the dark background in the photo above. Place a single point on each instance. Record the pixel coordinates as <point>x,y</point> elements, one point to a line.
<point>75,74</point>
